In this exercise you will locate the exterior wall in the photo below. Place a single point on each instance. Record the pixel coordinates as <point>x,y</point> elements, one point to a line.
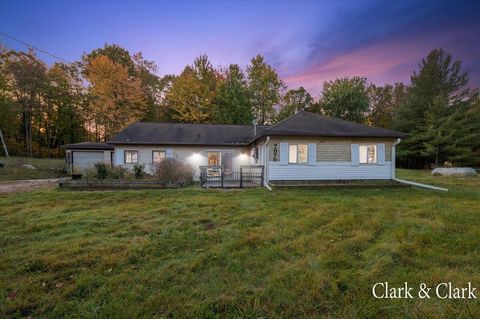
<point>332,161</point>
<point>193,155</point>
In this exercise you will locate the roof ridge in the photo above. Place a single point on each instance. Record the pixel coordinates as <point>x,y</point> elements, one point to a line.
<point>182,123</point>
<point>288,118</point>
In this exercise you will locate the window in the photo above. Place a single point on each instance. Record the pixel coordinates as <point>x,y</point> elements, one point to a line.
<point>157,156</point>
<point>298,153</point>
<point>368,154</point>
<point>131,157</point>
<point>292,153</point>
<point>302,153</point>
<point>213,158</point>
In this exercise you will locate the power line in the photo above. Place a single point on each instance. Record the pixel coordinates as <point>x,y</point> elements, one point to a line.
<point>56,56</point>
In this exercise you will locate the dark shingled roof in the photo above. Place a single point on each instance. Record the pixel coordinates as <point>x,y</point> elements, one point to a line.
<point>88,146</point>
<point>301,124</point>
<point>311,124</point>
<point>185,134</point>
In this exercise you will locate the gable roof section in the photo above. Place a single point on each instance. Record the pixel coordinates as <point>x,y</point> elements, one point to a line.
<point>185,134</point>
<point>300,124</point>
<point>311,124</point>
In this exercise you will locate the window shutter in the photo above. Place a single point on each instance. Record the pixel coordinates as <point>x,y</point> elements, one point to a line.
<point>312,153</point>
<point>119,157</point>
<point>355,156</point>
<point>169,153</point>
<point>284,153</point>
<point>381,154</point>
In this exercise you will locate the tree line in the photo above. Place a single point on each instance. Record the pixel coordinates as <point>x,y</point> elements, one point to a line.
<point>45,106</point>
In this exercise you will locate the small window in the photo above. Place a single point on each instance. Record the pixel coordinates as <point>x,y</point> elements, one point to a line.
<point>302,153</point>
<point>131,157</point>
<point>298,153</point>
<point>157,156</point>
<point>213,158</point>
<point>368,154</point>
<point>292,153</point>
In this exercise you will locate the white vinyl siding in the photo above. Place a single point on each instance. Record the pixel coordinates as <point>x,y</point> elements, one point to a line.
<point>328,171</point>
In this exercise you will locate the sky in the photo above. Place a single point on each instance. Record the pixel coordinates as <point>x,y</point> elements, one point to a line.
<point>307,42</point>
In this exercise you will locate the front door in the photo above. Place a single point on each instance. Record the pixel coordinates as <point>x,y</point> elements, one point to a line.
<point>227,163</point>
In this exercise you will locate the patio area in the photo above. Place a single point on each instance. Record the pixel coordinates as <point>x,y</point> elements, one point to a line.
<point>220,177</point>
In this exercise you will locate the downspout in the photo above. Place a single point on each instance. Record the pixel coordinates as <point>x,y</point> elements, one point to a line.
<point>393,163</point>
<point>265,160</point>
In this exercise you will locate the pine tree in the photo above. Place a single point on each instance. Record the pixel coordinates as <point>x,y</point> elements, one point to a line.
<point>435,114</point>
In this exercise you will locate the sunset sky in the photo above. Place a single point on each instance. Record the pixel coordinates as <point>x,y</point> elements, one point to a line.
<point>306,42</point>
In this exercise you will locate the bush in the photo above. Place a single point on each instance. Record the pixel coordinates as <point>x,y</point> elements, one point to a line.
<point>138,171</point>
<point>118,172</point>
<point>102,170</point>
<point>170,169</point>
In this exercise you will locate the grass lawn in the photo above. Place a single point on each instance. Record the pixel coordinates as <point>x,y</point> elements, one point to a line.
<point>249,253</point>
<point>45,168</point>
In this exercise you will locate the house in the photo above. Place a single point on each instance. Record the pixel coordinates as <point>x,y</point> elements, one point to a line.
<point>305,146</point>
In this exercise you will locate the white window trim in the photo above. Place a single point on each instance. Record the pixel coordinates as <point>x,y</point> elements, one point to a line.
<point>298,154</point>
<point>367,162</point>
<point>160,151</point>
<point>125,156</point>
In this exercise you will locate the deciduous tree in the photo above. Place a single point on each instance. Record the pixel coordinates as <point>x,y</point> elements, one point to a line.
<point>265,88</point>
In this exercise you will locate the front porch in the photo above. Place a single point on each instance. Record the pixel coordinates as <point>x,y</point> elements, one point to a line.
<point>218,176</point>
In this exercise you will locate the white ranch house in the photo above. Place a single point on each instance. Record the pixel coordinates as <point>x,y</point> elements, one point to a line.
<point>304,147</point>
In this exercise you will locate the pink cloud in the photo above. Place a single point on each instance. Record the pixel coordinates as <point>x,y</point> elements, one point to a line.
<point>384,62</point>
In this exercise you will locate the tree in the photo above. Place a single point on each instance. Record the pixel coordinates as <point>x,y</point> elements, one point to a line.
<point>438,114</point>
<point>345,98</point>
<point>117,98</point>
<point>115,53</point>
<point>232,101</point>
<point>294,101</point>
<point>152,86</point>
<point>28,81</point>
<point>192,94</point>
<point>384,103</point>
<point>265,86</point>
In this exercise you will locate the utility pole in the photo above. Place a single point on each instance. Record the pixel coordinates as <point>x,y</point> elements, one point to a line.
<point>3,142</point>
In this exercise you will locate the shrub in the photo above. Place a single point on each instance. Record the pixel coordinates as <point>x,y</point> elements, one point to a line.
<point>138,171</point>
<point>102,170</point>
<point>170,169</point>
<point>118,172</point>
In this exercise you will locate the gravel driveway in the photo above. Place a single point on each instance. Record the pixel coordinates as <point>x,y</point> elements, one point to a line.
<point>26,185</point>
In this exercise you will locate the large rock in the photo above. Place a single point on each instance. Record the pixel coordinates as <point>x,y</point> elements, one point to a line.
<point>455,171</point>
<point>28,166</point>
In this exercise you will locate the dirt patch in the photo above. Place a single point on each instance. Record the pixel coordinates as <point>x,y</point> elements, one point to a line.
<point>26,185</point>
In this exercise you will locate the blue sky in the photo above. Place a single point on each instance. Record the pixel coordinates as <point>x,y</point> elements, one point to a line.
<point>307,42</point>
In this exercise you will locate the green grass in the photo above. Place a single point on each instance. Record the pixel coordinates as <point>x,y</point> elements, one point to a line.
<point>45,168</point>
<point>250,253</point>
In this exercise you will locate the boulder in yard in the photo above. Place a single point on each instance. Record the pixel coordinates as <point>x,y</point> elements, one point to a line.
<point>28,166</point>
<point>454,171</point>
